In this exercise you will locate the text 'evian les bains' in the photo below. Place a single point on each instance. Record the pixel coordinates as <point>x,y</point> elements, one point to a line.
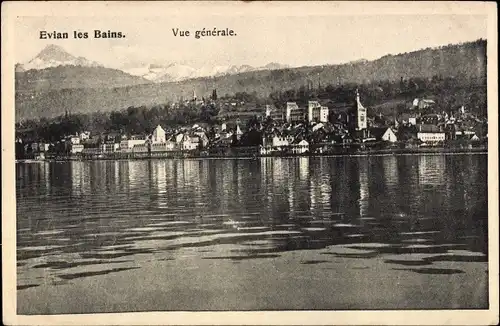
<point>55,35</point>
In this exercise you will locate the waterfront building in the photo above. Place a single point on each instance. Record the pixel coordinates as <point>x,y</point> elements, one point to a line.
<point>76,148</point>
<point>140,148</point>
<point>109,147</point>
<point>281,141</point>
<point>189,143</point>
<point>179,137</point>
<point>300,147</point>
<point>163,147</point>
<point>383,134</point>
<point>158,135</point>
<point>430,134</point>
<point>128,144</point>
<point>91,151</point>
<point>203,139</point>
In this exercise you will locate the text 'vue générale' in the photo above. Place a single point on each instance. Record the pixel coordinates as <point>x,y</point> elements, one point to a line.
<point>204,32</point>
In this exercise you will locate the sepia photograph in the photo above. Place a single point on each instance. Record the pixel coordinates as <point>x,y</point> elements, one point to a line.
<point>251,157</point>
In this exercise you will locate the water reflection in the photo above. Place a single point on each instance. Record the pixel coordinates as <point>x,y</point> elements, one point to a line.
<point>114,212</point>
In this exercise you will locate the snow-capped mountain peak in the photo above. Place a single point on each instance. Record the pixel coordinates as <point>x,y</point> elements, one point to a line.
<point>178,72</point>
<point>53,56</point>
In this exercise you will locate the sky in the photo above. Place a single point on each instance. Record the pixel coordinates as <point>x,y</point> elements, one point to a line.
<point>295,40</point>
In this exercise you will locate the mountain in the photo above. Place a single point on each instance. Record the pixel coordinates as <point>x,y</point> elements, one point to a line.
<point>54,56</point>
<point>178,72</point>
<point>466,61</point>
<point>54,68</point>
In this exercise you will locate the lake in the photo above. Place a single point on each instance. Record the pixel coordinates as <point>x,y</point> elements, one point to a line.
<point>328,233</point>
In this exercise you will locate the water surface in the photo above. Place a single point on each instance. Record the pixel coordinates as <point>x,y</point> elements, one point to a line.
<point>410,216</point>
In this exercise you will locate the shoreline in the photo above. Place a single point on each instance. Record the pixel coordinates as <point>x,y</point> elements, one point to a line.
<point>247,153</point>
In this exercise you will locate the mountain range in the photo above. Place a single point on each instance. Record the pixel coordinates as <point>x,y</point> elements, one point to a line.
<point>178,72</point>
<point>51,91</point>
<point>53,56</point>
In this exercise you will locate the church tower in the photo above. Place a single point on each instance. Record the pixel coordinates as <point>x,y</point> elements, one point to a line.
<point>361,118</point>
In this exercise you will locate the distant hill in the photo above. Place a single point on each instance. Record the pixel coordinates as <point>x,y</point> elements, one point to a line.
<point>66,77</point>
<point>465,61</point>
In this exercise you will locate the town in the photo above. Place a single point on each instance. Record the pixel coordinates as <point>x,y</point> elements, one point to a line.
<point>316,128</point>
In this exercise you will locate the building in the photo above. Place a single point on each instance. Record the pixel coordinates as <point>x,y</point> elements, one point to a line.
<point>74,140</point>
<point>430,134</point>
<point>84,135</point>
<point>77,148</point>
<point>203,139</point>
<point>163,147</point>
<point>239,133</point>
<point>274,113</point>
<point>300,147</point>
<point>128,144</point>
<point>140,148</point>
<point>383,134</point>
<point>159,135</point>
<point>361,119</point>
<point>190,143</point>
<point>294,114</point>
<point>317,112</point>
<point>109,147</point>
<point>423,103</point>
<point>281,141</point>
<point>91,151</point>
<point>408,119</point>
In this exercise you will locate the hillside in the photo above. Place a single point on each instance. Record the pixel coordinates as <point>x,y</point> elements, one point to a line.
<point>464,61</point>
<point>65,77</point>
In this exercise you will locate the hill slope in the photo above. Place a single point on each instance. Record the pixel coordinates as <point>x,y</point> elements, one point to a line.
<point>64,77</point>
<point>467,61</point>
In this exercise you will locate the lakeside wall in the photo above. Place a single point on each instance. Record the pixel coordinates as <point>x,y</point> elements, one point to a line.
<point>254,151</point>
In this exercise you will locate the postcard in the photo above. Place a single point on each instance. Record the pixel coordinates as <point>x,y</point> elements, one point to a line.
<point>249,163</point>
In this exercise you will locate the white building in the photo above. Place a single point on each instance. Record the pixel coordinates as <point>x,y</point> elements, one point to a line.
<point>84,135</point>
<point>77,148</point>
<point>431,137</point>
<point>238,131</point>
<point>140,148</point>
<point>384,134</point>
<point>189,143</point>
<point>163,147</point>
<point>159,135</point>
<point>128,144</point>
<point>361,117</point>
<point>109,147</point>
<point>293,112</point>
<point>281,141</point>
<point>316,112</point>
<point>301,147</point>
<point>74,140</point>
